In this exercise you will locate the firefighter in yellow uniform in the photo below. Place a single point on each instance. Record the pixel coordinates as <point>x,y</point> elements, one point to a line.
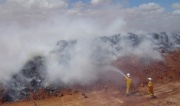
<point>129,85</point>
<point>150,88</point>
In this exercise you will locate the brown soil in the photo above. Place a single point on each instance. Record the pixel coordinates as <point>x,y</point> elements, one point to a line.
<point>111,91</point>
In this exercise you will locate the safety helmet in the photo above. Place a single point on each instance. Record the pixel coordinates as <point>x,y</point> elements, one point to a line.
<point>149,79</point>
<point>128,74</point>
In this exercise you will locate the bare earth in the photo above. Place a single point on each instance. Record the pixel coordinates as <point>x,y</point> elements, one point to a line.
<point>168,94</point>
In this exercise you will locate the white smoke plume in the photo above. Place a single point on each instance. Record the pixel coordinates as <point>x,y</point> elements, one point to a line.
<point>32,28</point>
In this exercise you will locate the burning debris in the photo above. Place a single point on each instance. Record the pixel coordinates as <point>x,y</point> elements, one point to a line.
<point>29,79</point>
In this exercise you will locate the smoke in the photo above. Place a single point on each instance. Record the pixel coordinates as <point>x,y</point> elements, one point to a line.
<point>30,29</point>
<point>71,64</point>
<point>82,61</point>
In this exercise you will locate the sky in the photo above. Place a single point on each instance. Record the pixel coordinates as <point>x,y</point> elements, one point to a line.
<point>165,3</point>
<point>31,27</point>
<point>135,3</point>
<point>131,3</point>
<point>127,12</point>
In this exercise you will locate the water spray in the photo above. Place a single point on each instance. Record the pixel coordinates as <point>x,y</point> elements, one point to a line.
<point>112,68</point>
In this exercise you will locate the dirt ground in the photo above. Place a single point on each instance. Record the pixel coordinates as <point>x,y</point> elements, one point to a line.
<point>166,79</point>
<point>167,94</point>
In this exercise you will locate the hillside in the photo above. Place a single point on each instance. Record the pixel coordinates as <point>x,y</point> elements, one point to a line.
<point>165,74</point>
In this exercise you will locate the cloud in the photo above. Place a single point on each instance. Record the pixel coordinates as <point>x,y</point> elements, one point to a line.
<point>29,12</point>
<point>149,18</point>
<point>176,12</point>
<point>151,7</point>
<point>37,12</point>
<point>176,5</point>
<point>40,3</point>
<point>98,2</point>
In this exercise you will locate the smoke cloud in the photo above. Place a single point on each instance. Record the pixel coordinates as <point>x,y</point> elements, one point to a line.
<point>33,28</point>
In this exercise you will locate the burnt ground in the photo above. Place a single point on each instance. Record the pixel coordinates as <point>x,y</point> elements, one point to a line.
<point>166,79</point>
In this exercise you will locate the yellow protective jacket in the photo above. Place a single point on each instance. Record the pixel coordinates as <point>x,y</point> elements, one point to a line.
<point>128,84</point>
<point>128,81</point>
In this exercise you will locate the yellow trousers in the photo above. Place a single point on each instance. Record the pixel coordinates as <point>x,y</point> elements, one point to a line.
<point>150,90</point>
<point>128,89</point>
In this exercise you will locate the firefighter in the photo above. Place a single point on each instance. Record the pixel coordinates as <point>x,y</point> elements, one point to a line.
<point>150,88</point>
<point>129,85</point>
